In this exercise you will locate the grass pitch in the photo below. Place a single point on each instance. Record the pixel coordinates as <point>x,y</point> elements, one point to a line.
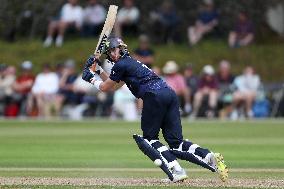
<point>102,154</point>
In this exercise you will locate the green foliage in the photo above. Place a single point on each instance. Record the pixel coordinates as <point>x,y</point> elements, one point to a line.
<point>267,58</point>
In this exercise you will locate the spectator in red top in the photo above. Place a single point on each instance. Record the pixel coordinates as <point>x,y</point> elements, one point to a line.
<point>207,86</point>
<point>243,33</point>
<point>23,85</point>
<point>177,82</point>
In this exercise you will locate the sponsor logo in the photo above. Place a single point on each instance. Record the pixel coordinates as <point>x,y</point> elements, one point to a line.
<point>102,44</point>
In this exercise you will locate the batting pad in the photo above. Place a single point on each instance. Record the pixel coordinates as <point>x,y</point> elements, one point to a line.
<point>145,146</point>
<point>188,151</point>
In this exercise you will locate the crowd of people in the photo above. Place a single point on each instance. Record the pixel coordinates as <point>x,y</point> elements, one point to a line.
<point>61,91</point>
<point>164,22</point>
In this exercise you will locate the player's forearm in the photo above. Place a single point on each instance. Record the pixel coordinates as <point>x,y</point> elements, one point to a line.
<point>104,76</point>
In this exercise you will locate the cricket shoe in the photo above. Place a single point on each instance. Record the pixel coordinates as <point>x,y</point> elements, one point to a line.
<point>178,176</point>
<point>221,167</point>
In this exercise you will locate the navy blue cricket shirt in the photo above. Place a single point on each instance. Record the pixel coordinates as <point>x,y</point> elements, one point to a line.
<point>137,76</point>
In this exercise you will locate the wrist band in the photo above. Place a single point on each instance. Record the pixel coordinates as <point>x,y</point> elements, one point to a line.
<point>97,84</point>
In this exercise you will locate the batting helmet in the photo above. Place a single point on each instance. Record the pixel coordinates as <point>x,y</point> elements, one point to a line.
<point>115,42</point>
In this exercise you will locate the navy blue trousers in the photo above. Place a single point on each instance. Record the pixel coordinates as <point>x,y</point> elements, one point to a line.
<point>161,111</point>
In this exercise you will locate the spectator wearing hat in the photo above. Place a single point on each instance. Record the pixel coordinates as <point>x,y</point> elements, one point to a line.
<point>177,82</point>
<point>93,18</point>
<point>144,53</point>
<point>207,89</point>
<point>206,22</point>
<point>23,85</point>
<point>71,17</point>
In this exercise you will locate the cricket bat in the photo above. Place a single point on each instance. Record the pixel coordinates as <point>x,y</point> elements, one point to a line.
<point>108,25</point>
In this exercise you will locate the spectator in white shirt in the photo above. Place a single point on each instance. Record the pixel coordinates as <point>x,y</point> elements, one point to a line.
<point>93,20</point>
<point>127,18</point>
<point>247,87</point>
<point>71,16</point>
<point>44,91</point>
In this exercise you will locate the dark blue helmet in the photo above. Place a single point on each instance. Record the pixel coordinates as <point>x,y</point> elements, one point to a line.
<point>115,42</point>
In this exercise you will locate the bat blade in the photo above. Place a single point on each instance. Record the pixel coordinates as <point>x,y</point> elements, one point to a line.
<point>108,25</point>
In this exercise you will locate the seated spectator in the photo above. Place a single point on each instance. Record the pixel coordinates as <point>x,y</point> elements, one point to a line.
<point>127,19</point>
<point>65,94</point>
<point>93,20</point>
<point>23,85</point>
<point>207,88</point>
<point>243,33</point>
<point>225,79</point>
<point>7,78</point>
<point>165,23</point>
<point>191,81</point>
<point>144,53</point>
<point>44,91</point>
<point>177,82</point>
<point>247,86</point>
<point>206,22</point>
<point>86,100</point>
<point>71,16</point>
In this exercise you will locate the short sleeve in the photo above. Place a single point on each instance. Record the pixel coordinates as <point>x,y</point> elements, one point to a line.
<point>117,72</point>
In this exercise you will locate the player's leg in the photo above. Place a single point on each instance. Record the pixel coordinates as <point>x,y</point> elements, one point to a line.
<point>184,149</point>
<point>151,121</point>
<point>172,131</point>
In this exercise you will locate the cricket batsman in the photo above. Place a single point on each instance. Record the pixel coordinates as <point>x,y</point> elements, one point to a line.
<point>160,112</point>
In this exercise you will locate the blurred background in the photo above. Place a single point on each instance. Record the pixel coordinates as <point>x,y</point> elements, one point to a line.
<point>224,59</point>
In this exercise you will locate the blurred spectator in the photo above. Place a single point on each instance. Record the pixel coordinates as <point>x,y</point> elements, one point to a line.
<point>165,23</point>
<point>144,53</point>
<point>7,78</point>
<point>207,93</point>
<point>127,18</point>
<point>191,81</point>
<point>93,20</point>
<point>44,91</point>
<point>206,22</point>
<point>86,101</point>
<point>247,86</point>
<point>124,104</point>
<point>157,70</point>
<point>177,82</point>
<point>65,94</point>
<point>243,33</point>
<point>23,85</point>
<point>71,17</point>
<point>225,79</point>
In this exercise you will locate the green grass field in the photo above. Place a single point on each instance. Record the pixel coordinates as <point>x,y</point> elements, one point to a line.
<point>102,154</point>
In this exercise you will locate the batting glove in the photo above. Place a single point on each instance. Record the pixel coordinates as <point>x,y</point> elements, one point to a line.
<point>91,61</point>
<point>87,75</point>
